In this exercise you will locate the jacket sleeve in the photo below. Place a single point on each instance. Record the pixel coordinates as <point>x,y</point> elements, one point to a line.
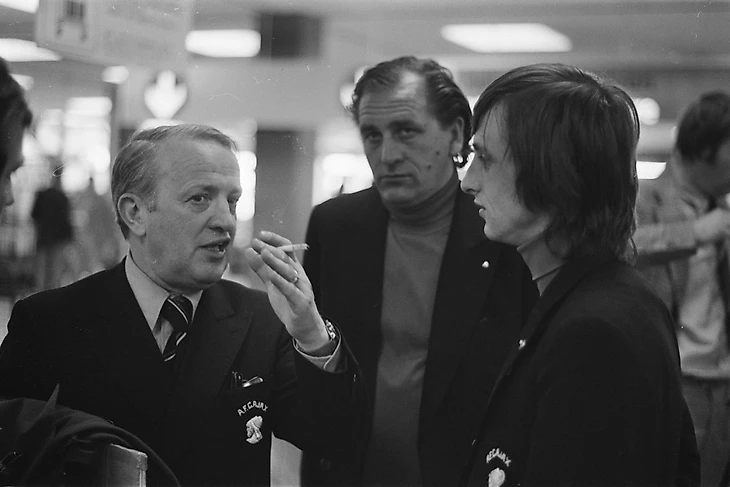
<point>659,242</point>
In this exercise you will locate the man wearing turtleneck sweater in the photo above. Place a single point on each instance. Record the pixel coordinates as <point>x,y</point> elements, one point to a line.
<point>684,224</point>
<point>428,305</point>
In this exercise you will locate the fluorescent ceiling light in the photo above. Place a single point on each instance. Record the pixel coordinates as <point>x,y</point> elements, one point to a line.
<point>649,169</point>
<point>224,43</point>
<point>115,74</point>
<point>29,6</point>
<point>507,37</point>
<point>89,105</point>
<point>19,50</point>
<point>648,109</point>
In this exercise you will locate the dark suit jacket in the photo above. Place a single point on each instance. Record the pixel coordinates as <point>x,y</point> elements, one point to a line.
<point>92,338</point>
<point>590,393</point>
<point>477,314</point>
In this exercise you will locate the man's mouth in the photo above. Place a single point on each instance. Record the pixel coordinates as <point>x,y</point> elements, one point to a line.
<point>392,177</point>
<point>219,246</point>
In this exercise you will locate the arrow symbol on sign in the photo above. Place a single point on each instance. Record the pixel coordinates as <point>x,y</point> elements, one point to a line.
<point>166,95</point>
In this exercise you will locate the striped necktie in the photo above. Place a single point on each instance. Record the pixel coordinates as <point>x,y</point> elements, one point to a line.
<point>178,311</point>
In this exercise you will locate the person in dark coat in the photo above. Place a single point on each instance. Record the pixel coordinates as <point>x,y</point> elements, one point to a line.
<point>590,392</point>
<point>428,304</point>
<point>199,368</point>
<point>55,258</point>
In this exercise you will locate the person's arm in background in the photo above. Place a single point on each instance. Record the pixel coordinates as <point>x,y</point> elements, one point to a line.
<point>659,242</point>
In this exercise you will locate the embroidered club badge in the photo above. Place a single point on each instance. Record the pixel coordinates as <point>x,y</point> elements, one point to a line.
<point>253,430</point>
<point>496,477</point>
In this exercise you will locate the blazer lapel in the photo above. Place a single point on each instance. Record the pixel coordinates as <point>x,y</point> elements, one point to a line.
<point>567,278</point>
<point>366,284</point>
<point>463,286</point>
<point>215,339</point>
<point>136,366</point>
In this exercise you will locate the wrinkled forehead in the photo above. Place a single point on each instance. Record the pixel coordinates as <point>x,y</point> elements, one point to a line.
<point>408,94</point>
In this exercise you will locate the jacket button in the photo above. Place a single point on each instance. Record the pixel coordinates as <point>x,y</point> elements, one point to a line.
<point>325,464</point>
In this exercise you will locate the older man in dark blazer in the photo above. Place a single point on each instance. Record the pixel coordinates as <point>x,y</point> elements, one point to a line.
<point>429,305</point>
<point>201,369</point>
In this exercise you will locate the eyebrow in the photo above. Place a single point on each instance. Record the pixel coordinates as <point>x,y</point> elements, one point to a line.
<point>392,124</point>
<point>402,121</point>
<point>210,188</point>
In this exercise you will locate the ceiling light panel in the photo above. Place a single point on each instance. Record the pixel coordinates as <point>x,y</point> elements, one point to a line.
<point>224,43</point>
<point>19,50</point>
<point>507,38</point>
<point>29,6</point>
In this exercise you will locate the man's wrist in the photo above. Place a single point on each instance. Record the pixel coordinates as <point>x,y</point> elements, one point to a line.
<point>322,349</point>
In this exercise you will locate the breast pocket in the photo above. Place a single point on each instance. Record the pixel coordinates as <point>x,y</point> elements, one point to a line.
<point>243,412</point>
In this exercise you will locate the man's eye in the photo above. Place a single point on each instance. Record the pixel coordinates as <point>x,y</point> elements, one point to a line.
<point>199,198</point>
<point>371,137</point>
<point>480,157</point>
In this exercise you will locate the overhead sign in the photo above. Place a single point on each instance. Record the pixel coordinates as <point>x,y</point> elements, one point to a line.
<point>165,95</point>
<point>144,32</point>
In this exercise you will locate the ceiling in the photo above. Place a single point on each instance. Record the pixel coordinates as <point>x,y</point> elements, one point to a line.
<point>672,33</point>
<point>658,32</point>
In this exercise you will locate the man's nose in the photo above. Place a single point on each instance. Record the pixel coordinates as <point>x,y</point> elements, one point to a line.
<point>224,217</point>
<point>468,183</point>
<point>391,150</point>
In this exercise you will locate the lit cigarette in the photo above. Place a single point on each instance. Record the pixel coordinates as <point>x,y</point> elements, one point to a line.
<point>293,247</point>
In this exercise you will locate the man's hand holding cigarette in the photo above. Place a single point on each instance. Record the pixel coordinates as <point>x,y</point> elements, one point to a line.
<point>273,259</point>
<point>293,247</point>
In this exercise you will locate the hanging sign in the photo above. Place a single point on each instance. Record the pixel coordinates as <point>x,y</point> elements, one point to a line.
<point>142,32</point>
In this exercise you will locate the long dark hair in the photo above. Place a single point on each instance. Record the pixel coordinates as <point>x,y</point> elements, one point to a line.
<point>573,139</point>
<point>13,109</point>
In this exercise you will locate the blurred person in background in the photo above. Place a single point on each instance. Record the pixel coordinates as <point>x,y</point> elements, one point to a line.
<point>682,239</point>
<point>198,367</point>
<point>100,245</point>
<point>428,304</point>
<point>590,394</point>
<point>55,259</point>
<point>15,119</point>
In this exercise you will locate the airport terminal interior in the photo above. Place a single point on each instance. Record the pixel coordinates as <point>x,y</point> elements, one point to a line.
<point>277,76</point>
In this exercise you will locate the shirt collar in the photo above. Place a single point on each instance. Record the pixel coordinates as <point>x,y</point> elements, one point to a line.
<point>149,294</point>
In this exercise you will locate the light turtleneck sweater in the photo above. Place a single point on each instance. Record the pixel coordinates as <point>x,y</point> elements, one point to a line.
<point>415,243</point>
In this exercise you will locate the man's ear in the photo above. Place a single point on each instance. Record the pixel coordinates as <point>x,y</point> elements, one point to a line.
<point>457,136</point>
<point>133,212</point>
